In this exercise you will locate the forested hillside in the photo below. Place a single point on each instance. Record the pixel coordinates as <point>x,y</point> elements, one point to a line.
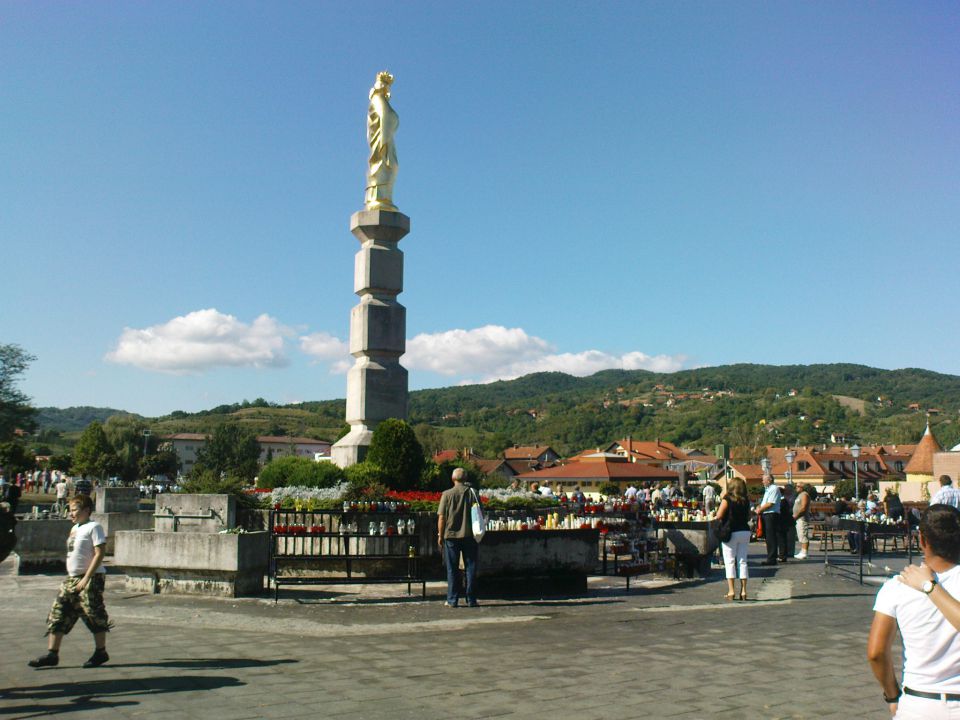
<point>733,404</point>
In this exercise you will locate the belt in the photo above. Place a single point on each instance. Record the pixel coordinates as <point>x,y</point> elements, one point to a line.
<point>932,695</point>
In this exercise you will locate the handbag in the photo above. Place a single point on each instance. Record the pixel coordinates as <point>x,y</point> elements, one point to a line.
<point>759,527</point>
<point>478,523</point>
<point>725,529</point>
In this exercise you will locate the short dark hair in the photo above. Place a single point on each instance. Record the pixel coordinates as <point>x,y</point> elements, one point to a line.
<point>83,502</point>
<point>945,480</point>
<point>940,527</point>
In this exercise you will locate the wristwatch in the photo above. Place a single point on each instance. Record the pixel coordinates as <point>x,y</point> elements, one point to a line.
<point>893,699</point>
<point>928,586</point>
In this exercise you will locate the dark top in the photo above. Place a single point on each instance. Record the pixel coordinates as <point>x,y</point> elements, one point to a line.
<point>739,513</point>
<point>894,506</point>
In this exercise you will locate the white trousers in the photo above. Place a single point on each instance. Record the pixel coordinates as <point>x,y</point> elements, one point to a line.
<point>915,708</point>
<point>735,554</point>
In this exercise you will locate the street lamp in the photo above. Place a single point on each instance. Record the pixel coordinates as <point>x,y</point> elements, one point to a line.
<point>789,458</point>
<point>855,452</point>
<point>146,437</point>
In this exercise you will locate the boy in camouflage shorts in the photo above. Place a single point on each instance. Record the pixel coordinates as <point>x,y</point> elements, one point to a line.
<point>81,593</point>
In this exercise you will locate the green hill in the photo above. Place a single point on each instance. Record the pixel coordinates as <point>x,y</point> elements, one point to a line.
<point>700,407</point>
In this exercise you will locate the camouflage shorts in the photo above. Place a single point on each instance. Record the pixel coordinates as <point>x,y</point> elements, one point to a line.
<point>71,605</point>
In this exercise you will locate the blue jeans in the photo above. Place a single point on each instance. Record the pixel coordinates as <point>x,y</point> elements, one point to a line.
<point>452,548</point>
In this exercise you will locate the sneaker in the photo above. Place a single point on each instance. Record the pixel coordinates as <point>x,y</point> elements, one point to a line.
<point>450,604</point>
<point>473,604</point>
<point>98,658</point>
<point>48,660</point>
<point>800,556</point>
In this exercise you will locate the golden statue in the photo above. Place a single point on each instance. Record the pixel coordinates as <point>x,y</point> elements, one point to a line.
<point>382,124</point>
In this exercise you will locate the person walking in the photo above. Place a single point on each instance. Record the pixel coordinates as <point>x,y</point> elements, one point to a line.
<point>931,646</point>
<point>769,511</point>
<point>735,505</point>
<point>81,594</point>
<point>455,538</point>
<point>709,497</point>
<point>801,517</point>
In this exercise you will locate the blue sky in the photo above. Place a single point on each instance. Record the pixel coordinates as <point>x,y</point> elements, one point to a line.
<point>659,185</point>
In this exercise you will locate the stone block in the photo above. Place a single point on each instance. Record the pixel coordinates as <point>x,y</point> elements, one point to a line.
<point>227,564</point>
<point>117,500</point>
<point>382,225</point>
<point>376,391</point>
<point>378,326</point>
<point>194,513</point>
<point>352,447</point>
<point>114,522</point>
<point>378,269</point>
<point>539,561</point>
<point>41,545</point>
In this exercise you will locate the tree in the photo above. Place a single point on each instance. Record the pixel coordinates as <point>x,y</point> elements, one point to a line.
<point>430,439</point>
<point>394,447</point>
<point>125,433</point>
<point>15,458</point>
<point>162,462</point>
<point>15,410</point>
<point>293,471</point>
<point>93,454</point>
<point>231,450</point>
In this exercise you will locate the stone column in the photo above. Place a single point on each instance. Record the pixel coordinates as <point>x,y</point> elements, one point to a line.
<point>377,383</point>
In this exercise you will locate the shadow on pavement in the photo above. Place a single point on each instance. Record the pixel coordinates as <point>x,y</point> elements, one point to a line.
<point>69,697</point>
<point>207,664</point>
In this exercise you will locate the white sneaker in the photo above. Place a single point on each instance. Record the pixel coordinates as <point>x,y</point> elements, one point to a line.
<point>800,556</point>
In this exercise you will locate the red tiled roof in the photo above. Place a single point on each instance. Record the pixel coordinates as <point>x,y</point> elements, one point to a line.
<point>601,470</point>
<point>288,440</point>
<point>526,452</point>
<point>186,436</point>
<point>649,449</point>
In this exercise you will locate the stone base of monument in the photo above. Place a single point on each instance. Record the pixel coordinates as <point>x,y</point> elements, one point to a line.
<point>224,565</point>
<point>537,562</point>
<point>352,447</point>
<point>41,545</point>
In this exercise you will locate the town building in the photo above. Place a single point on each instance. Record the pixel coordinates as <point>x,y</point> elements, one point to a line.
<point>187,445</point>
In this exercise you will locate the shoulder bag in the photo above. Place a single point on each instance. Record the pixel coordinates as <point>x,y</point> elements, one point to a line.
<point>478,522</point>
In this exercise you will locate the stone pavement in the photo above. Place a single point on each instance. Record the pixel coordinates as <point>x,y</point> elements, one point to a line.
<point>665,650</point>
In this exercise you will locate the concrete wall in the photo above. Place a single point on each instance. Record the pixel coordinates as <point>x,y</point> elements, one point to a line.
<point>188,513</point>
<point>945,463</point>
<point>117,500</point>
<point>114,522</point>
<point>193,563</point>
<point>41,545</point>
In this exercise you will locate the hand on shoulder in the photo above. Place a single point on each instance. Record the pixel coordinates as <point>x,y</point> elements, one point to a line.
<point>916,575</point>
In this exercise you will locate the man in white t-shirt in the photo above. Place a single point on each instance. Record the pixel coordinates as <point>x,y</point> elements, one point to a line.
<point>709,497</point>
<point>81,594</point>
<point>931,646</point>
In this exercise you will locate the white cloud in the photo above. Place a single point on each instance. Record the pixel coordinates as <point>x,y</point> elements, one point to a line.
<point>202,340</point>
<point>325,346</point>
<point>472,352</point>
<point>494,352</point>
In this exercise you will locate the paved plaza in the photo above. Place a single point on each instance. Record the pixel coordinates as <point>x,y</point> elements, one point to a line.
<point>665,650</point>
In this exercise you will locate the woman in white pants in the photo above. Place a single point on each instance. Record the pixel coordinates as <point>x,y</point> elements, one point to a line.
<point>737,505</point>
